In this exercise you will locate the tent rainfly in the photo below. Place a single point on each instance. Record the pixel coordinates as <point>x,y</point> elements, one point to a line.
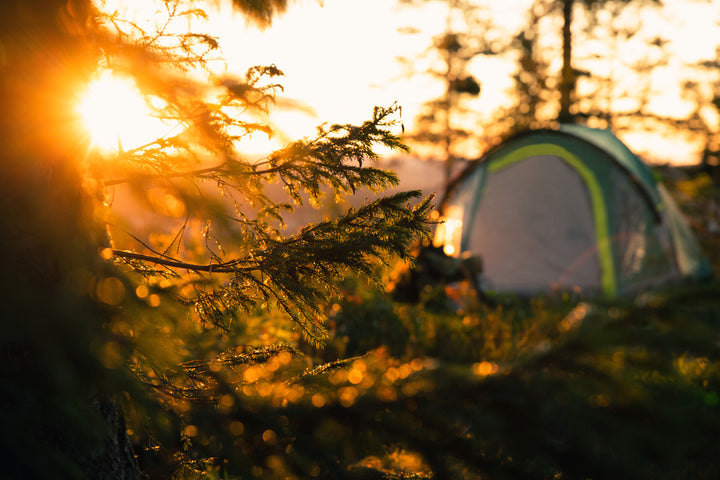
<point>568,209</point>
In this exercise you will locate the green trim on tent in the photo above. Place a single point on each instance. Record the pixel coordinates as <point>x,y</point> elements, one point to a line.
<point>602,226</point>
<point>606,141</point>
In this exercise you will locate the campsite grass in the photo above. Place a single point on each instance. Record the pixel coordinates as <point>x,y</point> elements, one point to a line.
<point>452,325</point>
<point>641,346</point>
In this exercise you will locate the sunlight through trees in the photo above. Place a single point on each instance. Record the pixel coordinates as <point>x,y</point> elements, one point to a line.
<point>116,115</point>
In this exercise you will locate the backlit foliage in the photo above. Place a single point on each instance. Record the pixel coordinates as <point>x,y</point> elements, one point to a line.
<point>218,255</point>
<point>209,123</point>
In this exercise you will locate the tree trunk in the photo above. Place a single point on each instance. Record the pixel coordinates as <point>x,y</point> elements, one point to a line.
<point>567,80</point>
<point>49,238</point>
<point>116,459</point>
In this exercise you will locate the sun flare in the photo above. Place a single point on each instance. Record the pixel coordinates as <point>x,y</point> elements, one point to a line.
<point>116,115</point>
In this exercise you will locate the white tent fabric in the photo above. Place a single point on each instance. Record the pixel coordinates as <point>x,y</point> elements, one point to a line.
<point>542,205</point>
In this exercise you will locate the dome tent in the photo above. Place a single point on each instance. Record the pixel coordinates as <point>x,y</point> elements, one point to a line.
<point>571,208</point>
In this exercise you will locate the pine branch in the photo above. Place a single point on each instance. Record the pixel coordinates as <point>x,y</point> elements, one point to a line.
<point>225,267</point>
<point>299,271</point>
<point>306,164</point>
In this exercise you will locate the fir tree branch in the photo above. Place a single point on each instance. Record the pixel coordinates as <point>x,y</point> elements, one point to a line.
<point>226,267</point>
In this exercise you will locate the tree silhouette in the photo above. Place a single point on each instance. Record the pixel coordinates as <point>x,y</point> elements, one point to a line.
<point>439,123</point>
<point>704,91</point>
<point>543,96</point>
<point>568,76</point>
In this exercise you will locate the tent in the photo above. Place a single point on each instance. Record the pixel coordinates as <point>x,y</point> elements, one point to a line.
<point>568,209</point>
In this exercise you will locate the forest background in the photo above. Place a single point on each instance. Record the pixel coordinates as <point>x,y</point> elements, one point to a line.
<point>207,342</point>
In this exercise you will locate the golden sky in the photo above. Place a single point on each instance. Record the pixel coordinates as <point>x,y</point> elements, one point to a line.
<point>339,60</point>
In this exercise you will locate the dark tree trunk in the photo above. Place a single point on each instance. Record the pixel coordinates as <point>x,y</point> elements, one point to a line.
<point>53,427</point>
<point>567,80</point>
<point>116,459</point>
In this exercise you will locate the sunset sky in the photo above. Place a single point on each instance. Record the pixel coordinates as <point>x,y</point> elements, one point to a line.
<point>340,59</point>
